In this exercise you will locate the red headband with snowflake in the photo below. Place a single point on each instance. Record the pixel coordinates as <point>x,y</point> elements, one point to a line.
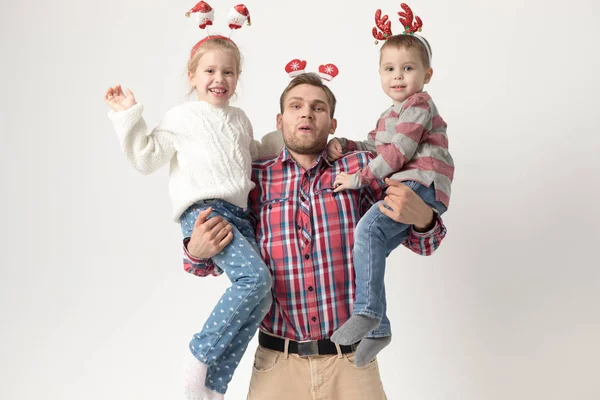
<point>238,15</point>
<point>297,66</point>
<point>410,23</point>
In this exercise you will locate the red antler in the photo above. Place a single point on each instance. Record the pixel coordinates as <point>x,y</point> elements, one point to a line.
<point>384,26</point>
<point>406,19</point>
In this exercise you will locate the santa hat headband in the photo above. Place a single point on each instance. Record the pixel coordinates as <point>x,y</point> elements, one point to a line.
<point>238,15</point>
<point>410,22</point>
<point>297,67</point>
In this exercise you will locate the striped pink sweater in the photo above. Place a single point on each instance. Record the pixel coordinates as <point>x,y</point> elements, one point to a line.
<point>411,144</point>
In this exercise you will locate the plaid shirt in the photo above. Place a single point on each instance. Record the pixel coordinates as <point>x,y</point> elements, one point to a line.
<point>305,233</point>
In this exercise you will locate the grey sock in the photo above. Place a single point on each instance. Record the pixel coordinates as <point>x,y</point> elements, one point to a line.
<point>354,329</point>
<point>368,349</point>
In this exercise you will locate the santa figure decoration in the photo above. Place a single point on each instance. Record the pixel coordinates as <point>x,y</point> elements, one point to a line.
<point>204,13</point>
<point>238,16</point>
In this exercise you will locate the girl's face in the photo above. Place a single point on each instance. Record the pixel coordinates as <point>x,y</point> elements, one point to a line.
<point>215,77</point>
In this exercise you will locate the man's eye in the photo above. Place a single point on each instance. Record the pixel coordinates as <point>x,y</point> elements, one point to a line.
<point>210,71</point>
<point>318,108</point>
<point>389,69</point>
<point>407,68</point>
<point>228,72</point>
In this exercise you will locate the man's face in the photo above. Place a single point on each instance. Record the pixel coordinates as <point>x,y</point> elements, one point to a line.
<point>306,120</point>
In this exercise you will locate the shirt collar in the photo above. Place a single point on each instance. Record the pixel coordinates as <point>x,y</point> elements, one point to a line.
<point>286,156</point>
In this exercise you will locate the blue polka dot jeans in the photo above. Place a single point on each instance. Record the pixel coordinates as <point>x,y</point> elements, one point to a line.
<point>234,320</point>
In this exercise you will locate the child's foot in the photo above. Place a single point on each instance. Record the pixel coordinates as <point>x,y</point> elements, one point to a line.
<point>354,329</point>
<point>212,395</point>
<point>368,349</point>
<point>194,375</point>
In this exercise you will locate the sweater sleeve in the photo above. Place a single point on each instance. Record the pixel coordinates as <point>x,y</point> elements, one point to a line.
<point>366,145</point>
<point>271,145</point>
<point>146,152</point>
<point>405,136</point>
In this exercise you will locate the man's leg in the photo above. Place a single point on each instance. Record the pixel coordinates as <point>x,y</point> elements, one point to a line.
<point>276,376</point>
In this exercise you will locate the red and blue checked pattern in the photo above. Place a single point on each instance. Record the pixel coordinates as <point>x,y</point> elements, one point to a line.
<point>305,233</point>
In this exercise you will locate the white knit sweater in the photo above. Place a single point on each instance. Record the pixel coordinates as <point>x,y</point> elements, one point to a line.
<point>210,150</point>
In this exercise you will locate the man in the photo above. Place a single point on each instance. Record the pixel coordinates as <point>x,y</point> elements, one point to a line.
<point>305,233</point>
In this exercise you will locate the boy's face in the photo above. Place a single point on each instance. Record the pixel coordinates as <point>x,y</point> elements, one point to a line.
<point>306,120</point>
<point>402,73</point>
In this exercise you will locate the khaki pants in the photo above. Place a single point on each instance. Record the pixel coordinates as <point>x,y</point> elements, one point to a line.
<point>282,376</point>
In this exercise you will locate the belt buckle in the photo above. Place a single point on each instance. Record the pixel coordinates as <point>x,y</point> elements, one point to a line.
<point>306,349</point>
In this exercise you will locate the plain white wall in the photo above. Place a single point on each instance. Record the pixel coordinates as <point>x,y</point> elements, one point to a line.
<point>94,301</point>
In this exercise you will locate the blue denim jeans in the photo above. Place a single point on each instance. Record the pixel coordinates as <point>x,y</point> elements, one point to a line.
<point>376,237</point>
<point>234,320</point>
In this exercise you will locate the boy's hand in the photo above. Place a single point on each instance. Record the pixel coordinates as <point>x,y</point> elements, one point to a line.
<point>117,100</point>
<point>334,150</point>
<point>342,182</point>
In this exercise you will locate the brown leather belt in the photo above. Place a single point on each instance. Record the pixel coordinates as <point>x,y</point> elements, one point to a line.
<point>310,348</point>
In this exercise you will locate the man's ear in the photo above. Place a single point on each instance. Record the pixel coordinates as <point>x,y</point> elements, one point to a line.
<point>279,122</point>
<point>428,74</point>
<point>333,126</point>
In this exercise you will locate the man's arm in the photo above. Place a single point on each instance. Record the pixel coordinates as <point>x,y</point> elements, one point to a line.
<point>208,238</point>
<point>407,207</point>
<point>198,266</point>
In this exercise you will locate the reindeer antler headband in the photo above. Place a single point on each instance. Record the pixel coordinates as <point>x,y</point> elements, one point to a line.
<point>238,15</point>
<point>411,24</point>
<point>296,67</point>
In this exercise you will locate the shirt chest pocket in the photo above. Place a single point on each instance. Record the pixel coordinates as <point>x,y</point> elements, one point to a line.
<point>276,215</point>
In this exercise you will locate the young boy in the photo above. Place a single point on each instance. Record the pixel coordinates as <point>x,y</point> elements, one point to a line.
<point>411,146</point>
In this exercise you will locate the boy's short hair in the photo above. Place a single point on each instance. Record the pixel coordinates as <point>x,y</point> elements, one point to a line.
<point>409,42</point>
<point>309,78</point>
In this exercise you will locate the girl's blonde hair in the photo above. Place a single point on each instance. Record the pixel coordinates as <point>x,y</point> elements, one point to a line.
<point>212,44</point>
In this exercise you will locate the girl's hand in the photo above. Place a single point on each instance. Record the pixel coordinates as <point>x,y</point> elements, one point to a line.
<point>117,100</point>
<point>342,182</point>
<point>334,150</point>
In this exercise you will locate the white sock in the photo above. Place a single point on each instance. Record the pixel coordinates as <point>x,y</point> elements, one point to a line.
<point>194,375</point>
<point>212,395</point>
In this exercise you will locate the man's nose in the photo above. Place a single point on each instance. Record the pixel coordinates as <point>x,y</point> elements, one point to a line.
<point>307,112</point>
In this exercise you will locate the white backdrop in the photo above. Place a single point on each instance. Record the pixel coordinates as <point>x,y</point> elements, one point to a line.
<point>94,301</point>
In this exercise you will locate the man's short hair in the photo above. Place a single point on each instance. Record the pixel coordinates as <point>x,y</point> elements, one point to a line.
<point>309,78</point>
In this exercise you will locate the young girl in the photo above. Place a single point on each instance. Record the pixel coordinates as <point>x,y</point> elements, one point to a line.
<point>209,147</point>
<point>412,147</point>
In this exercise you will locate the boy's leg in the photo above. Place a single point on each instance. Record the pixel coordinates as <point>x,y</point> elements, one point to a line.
<point>372,235</point>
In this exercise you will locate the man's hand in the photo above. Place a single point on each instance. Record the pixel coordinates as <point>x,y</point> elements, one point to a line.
<point>407,207</point>
<point>342,182</point>
<point>117,100</point>
<point>210,236</point>
<point>334,150</point>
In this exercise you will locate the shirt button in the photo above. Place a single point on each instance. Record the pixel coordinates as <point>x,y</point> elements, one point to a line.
<point>334,194</point>
<point>270,206</point>
<point>306,256</point>
<point>314,319</point>
<point>310,288</point>
<point>298,227</point>
<point>302,199</point>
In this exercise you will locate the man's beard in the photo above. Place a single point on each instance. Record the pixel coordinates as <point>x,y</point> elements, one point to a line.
<point>312,148</point>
